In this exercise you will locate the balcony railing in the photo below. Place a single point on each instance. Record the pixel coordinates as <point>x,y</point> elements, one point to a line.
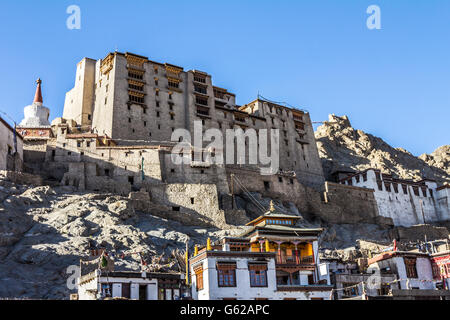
<point>295,260</point>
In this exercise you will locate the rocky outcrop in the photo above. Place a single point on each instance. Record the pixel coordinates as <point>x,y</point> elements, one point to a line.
<point>343,148</point>
<point>44,230</point>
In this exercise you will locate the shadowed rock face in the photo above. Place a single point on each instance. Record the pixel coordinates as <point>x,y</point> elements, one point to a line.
<point>45,230</point>
<point>342,147</point>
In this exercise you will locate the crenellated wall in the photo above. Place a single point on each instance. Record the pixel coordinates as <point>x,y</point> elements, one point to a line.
<point>407,203</point>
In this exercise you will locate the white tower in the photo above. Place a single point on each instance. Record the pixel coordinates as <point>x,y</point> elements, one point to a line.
<point>36,115</point>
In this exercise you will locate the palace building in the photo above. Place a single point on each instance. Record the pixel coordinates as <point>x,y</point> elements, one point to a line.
<point>134,100</point>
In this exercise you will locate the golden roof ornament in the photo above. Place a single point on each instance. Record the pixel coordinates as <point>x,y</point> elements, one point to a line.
<point>272,207</point>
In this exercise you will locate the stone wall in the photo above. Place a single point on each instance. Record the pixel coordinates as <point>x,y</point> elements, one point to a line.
<point>196,199</point>
<point>21,178</point>
<point>347,204</point>
<point>34,151</point>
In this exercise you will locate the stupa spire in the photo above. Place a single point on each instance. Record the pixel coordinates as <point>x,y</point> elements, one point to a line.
<point>38,94</point>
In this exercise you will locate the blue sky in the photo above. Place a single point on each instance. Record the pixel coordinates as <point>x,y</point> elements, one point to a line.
<point>317,55</point>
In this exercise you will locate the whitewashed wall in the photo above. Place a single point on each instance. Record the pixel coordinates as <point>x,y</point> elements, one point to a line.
<point>243,290</point>
<point>404,209</point>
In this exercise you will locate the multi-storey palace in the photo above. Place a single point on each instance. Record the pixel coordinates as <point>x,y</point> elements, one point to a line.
<point>134,100</point>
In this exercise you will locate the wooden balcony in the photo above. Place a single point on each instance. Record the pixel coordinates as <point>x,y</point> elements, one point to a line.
<point>295,260</point>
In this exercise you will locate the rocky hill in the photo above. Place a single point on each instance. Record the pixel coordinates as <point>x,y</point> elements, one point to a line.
<point>44,230</point>
<point>341,147</point>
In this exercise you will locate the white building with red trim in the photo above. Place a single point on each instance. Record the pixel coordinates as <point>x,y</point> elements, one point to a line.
<point>441,268</point>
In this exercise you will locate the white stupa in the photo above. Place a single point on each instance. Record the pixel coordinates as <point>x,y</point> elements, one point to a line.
<point>36,115</point>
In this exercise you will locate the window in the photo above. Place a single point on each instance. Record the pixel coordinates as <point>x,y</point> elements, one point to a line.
<point>226,275</point>
<point>136,75</point>
<point>266,185</point>
<point>240,119</point>
<point>201,100</point>
<point>200,89</point>
<point>380,185</point>
<point>136,87</point>
<point>131,180</point>
<point>411,269</point>
<point>387,186</point>
<point>199,277</point>
<point>299,125</point>
<point>350,289</point>
<point>384,290</point>
<point>199,78</point>
<point>280,179</point>
<point>137,99</point>
<point>258,275</point>
<point>203,111</point>
<point>192,200</point>
<point>176,209</point>
<point>173,84</point>
<point>395,187</point>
